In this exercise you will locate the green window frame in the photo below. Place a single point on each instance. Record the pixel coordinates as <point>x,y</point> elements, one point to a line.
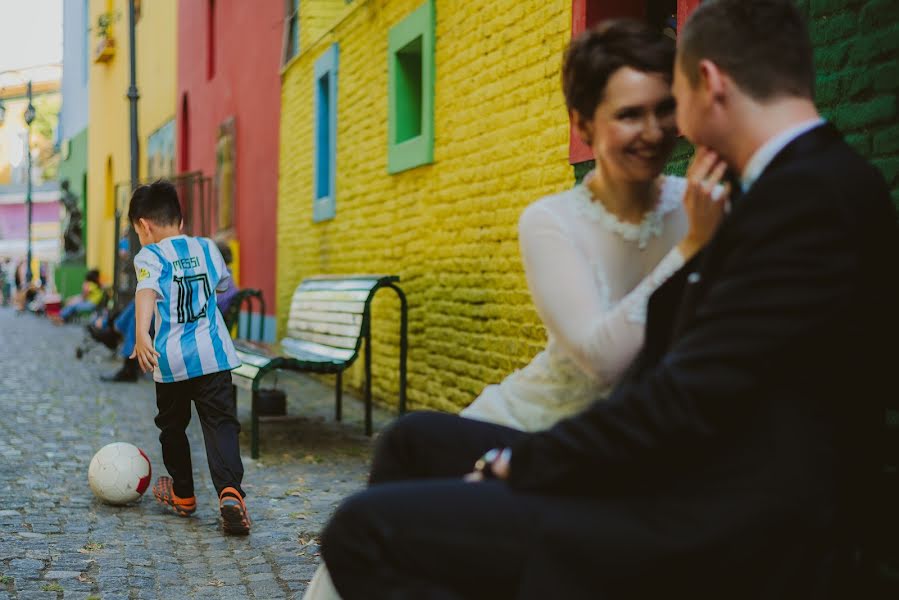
<point>410,93</point>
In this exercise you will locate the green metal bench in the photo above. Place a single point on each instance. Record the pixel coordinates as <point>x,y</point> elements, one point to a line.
<point>329,318</point>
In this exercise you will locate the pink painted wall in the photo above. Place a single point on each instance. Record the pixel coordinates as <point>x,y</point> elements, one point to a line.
<point>246,84</point>
<point>14,220</point>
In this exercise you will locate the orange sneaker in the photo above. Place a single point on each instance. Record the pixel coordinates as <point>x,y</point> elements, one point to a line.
<point>235,519</point>
<point>165,495</point>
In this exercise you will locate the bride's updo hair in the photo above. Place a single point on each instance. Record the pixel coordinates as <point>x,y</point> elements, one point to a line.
<point>593,56</point>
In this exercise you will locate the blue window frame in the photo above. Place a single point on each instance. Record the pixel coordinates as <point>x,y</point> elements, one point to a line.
<point>325,132</point>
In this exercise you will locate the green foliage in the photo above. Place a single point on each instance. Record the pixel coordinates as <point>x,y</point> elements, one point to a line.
<point>43,134</point>
<point>46,115</point>
<point>104,23</point>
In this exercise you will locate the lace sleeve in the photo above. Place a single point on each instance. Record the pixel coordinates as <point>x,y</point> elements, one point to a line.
<point>601,341</point>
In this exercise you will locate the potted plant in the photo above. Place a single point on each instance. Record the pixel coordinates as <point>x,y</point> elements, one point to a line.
<point>106,46</point>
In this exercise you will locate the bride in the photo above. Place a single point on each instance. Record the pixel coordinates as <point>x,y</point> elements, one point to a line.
<point>595,253</point>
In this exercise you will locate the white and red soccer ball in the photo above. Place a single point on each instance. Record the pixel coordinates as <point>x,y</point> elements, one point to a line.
<point>119,473</point>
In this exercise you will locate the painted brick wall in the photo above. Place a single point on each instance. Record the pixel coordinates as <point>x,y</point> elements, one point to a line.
<point>857,57</point>
<point>448,229</point>
<point>317,17</point>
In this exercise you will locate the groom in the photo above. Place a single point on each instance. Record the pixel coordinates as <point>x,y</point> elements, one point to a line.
<point>737,457</point>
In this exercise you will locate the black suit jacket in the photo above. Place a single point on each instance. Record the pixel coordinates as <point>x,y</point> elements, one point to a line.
<point>731,460</point>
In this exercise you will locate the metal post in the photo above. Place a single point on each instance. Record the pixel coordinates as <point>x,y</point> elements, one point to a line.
<point>133,241</point>
<point>29,117</point>
<point>338,409</point>
<point>366,326</point>
<point>254,418</point>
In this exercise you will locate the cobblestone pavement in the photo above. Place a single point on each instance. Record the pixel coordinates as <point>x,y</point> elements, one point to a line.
<point>57,541</point>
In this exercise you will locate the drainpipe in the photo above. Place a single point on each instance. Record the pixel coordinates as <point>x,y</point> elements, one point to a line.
<point>133,241</point>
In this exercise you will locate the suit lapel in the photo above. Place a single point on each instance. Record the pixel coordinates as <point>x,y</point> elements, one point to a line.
<point>695,282</point>
<point>662,310</point>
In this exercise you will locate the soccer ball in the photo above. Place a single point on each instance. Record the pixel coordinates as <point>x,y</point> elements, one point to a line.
<point>119,473</point>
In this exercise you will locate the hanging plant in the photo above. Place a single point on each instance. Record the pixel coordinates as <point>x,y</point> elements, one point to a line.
<point>105,49</point>
<point>104,24</point>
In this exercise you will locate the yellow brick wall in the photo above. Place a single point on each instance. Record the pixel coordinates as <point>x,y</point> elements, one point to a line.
<point>317,17</point>
<point>449,229</point>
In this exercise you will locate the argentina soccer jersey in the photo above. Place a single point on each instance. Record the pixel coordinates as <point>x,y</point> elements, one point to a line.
<point>191,335</point>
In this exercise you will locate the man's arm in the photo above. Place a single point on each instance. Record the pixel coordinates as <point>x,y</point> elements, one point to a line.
<point>787,278</point>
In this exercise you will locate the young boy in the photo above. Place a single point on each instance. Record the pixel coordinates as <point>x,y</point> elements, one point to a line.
<point>191,356</point>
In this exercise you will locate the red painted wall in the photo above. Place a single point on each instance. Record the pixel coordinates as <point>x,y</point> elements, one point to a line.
<point>684,8</point>
<point>246,84</point>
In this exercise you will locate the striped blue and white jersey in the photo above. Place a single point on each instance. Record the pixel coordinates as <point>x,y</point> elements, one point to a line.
<point>191,337</point>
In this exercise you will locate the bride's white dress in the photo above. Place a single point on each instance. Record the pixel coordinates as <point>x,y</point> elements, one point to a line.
<point>590,276</point>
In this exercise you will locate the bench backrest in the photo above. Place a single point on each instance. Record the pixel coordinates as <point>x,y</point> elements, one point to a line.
<point>328,315</point>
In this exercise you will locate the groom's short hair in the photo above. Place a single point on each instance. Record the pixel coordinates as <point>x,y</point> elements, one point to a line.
<point>763,45</point>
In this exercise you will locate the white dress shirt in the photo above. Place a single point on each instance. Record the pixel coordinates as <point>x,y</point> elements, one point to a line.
<point>766,153</point>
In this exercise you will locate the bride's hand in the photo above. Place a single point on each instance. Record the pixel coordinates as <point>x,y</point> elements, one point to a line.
<point>704,200</point>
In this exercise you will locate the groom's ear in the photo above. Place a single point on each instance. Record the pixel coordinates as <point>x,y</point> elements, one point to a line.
<point>712,80</point>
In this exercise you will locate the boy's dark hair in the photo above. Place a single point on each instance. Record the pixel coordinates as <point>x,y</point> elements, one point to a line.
<point>763,45</point>
<point>593,56</point>
<point>93,275</point>
<point>156,202</point>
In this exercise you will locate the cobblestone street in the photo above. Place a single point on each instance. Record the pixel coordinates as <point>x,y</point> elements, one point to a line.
<point>58,541</point>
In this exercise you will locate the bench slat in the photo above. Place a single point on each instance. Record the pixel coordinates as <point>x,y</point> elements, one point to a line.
<point>350,331</point>
<point>301,349</point>
<point>331,295</point>
<point>254,360</point>
<point>328,317</point>
<point>339,307</point>
<point>243,376</point>
<point>339,284</point>
<point>324,339</point>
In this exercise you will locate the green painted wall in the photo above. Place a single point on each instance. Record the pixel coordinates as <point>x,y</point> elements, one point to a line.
<point>74,168</point>
<point>857,56</point>
<point>69,277</point>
